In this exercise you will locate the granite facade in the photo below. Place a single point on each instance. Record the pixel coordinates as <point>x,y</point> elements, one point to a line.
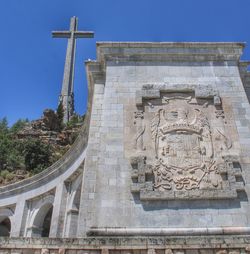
<point>128,68</point>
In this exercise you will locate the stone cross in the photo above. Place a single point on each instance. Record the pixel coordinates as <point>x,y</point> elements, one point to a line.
<point>67,94</point>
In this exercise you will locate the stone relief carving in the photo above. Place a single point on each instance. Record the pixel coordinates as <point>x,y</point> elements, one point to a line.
<point>183,148</point>
<point>220,113</point>
<point>138,139</point>
<point>225,142</point>
<point>188,153</point>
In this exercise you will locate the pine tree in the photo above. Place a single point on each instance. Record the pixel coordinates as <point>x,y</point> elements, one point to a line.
<point>60,115</point>
<point>36,155</point>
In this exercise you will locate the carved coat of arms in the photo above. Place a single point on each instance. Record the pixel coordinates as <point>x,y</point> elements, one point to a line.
<point>183,148</point>
<point>180,148</point>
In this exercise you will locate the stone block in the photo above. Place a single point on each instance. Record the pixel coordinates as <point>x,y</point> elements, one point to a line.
<point>82,252</point>
<point>151,251</point>
<point>234,252</point>
<point>192,252</point>
<point>168,251</point>
<point>16,251</point>
<point>71,251</point>
<point>221,252</point>
<point>45,251</point>
<point>206,251</point>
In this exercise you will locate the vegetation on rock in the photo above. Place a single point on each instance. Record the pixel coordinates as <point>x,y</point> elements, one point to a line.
<point>60,115</point>
<point>27,148</point>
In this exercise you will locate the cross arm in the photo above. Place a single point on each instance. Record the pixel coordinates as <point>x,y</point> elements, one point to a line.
<point>87,34</point>
<point>77,34</point>
<point>61,34</point>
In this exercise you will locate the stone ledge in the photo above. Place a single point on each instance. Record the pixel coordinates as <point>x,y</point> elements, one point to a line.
<point>95,243</point>
<point>168,51</point>
<point>105,231</point>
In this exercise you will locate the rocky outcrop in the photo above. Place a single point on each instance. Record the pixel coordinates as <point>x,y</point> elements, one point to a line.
<point>49,121</point>
<point>48,129</point>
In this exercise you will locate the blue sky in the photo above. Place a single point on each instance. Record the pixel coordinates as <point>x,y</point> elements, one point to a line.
<point>31,62</point>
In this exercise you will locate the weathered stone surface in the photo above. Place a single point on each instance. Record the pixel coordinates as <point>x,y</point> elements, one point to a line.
<point>187,148</point>
<point>130,87</point>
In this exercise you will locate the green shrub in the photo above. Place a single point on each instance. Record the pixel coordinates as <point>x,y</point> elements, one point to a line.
<point>74,121</point>
<point>4,173</point>
<point>60,115</point>
<point>4,126</point>
<point>36,154</point>
<point>5,143</point>
<point>19,125</point>
<point>29,154</point>
<point>10,176</point>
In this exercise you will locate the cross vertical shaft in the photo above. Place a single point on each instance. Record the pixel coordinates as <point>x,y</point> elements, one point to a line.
<point>67,91</point>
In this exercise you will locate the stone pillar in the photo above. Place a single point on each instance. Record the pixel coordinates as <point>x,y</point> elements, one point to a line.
<point>58,215</point>
<point>16,227</point>
<point>70,224</point>
<point>87,208</point>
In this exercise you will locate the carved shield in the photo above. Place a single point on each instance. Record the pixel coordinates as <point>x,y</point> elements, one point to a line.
<point>182,142</point>
<point>183,147</point>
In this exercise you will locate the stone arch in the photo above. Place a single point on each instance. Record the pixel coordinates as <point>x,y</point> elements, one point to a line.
<point>40,219</point>
<point>5,227</point>
<point>6,216</point>
<point>73,208</point>
<point>74,200</point>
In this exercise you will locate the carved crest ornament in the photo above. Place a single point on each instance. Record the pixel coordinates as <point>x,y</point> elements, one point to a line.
<point>181,146</point>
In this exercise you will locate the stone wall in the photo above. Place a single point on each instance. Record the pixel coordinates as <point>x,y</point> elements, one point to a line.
<point>128,67</point>
<point>149,245</point>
